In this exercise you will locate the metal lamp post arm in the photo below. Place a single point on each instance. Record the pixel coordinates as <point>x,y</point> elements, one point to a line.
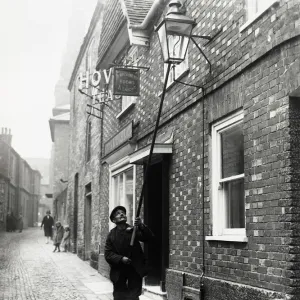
<point>151,152</point>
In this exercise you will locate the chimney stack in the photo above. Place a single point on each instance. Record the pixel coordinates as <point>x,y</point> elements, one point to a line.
<point>6,136</point>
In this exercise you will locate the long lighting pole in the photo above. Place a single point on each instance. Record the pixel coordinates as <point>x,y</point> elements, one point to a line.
<point>151,152</point>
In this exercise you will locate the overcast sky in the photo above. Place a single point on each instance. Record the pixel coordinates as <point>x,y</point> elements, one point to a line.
<point>33,37</point>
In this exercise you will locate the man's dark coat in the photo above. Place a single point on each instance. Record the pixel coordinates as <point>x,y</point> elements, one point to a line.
<point>48,223</point>
<point>118,245</point>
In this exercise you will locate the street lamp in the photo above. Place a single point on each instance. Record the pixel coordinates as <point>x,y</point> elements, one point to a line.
<point>174,33</point>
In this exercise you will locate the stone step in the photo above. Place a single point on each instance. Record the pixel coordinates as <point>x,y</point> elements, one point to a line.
<point>153,293</point>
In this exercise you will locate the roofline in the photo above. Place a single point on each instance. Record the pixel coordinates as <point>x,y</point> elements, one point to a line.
<point>114,39</point>
<point>86,41</point>
<point>157,5</point>
<point>51,125</point>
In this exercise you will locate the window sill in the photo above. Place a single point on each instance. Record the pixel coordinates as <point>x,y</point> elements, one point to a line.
<point>228,238</point>
<point>124,111</point>
<point>256,16</point>
<point>169,86</point>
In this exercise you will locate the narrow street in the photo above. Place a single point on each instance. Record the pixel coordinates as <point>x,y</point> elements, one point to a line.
<point>30,270</point>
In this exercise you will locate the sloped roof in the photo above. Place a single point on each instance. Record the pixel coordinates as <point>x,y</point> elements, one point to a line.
<point>96,17</point>
<point>137,10</point>
<point>65,106</point>
<point>117,13</point>
<point>58,119</point>
<point>62,117</point>
<point>113,20</point>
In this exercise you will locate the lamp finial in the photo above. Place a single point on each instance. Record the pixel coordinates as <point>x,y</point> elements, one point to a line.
<point>174,7</point>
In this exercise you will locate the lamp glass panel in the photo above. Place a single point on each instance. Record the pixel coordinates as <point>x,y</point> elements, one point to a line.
<point>177,47</point>
<point>163,42</point>
<point>179,28</point>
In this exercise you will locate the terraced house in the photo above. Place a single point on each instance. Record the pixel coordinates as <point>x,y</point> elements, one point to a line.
<point>19,184</point>
<point>221,192</point>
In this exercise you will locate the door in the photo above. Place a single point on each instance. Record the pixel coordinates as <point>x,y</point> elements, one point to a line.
<point>75,212</point>
<point>87,222</point>
<point>156,211</point>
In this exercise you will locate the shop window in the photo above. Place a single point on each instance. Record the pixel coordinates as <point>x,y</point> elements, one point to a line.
<point>88,141</point>
<point>122,189</point>
<point>228,200</point>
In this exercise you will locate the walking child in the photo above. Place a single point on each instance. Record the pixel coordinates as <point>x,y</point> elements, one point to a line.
<point>58,236</point>
<point>66,239</point>
<point>20,222</point>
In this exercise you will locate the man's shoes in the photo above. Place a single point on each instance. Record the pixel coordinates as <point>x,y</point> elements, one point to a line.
<point>54,250</point>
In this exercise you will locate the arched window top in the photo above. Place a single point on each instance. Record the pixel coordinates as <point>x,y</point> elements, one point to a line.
<point>89,55</point>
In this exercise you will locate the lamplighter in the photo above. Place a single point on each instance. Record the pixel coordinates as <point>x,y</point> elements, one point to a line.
<point>174,33</point>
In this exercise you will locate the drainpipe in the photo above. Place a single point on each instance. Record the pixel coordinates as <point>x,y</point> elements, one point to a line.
<point>156,6</point>
<point>202,291</point>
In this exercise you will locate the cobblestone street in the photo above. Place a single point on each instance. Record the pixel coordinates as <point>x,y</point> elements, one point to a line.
<point>30,270</point>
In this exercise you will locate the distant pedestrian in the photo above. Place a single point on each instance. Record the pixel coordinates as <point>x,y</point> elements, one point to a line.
<point>20,222</point>
<point>66,239</point>
<point>127,263</point>
<point>59,233</point>
<point>9,222</point>
<point>48,223</point>
<point>14,222</point>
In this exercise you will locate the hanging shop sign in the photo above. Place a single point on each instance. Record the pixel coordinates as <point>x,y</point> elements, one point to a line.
<point>98,82</point>
<point>120,138</point>
<point>126,82</point>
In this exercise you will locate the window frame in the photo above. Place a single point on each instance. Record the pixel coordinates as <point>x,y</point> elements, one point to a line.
<point>88,143</point>
<point>184,69</point>
<point>220,232</point>
<point>251,19</point>
<point>131,100</point>
<point>115,169</point>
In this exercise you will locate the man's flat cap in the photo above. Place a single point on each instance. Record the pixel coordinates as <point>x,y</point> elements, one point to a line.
<point>115,209</point>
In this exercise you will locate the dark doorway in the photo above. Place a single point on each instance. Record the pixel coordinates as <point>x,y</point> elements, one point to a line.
<point>75,214</point>
<point>88,221</point>
<point>157,218</point>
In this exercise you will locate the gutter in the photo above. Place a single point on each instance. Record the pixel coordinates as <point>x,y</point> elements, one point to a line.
<point>152,14</point>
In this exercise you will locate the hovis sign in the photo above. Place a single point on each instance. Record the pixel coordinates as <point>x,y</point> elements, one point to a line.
<point>126,82</point>
<point>99,89</point>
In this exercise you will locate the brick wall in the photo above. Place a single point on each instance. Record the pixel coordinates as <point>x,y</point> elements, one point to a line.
<point>3,208</point>
<point>259,82</point>
<point>255,70</point>
<point>88,171</point>
<point>4,162</point>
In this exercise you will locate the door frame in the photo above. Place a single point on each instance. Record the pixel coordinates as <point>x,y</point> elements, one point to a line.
<point>164,161</point>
